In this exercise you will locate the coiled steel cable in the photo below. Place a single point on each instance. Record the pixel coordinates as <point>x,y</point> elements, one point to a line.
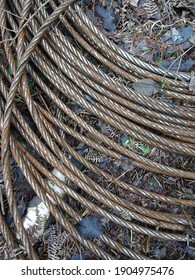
<point>146,139</point>
<point>129,112</point>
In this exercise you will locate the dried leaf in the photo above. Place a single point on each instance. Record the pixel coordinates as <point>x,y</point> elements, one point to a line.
<point>110,18</point>
<point>90,227</point>
<point>21,207</point>
<point>77,163</point>
<point>185,34</point>
<point>20,175</point>
<point>152,10</point>
<point>134,2</point>
<point>104,128</point>
<point>160,252</point>
<point>127,166</point>
<point>91,16</point>
<point>59,244</point>
<point>171,36</point>
<point>184,66</point>
<point>190,252</point>
<point>178,36</point>
<point>146,87</point>
<point>78,257</point>
<point>192,39</point>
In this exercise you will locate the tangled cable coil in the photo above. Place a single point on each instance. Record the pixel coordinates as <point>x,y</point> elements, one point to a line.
<point>46,55</point>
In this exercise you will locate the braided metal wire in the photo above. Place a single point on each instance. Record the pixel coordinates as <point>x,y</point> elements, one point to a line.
<point>44,53</point>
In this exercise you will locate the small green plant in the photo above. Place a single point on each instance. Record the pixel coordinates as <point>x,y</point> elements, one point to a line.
<point>164,84</point>
<point>145,149</point>
<point>157,227</point>
<point>23,142</point>
<point>129,143</point>
<point>145,50</point>
<point>190,197</point>
<point>31,84</point>
<point>132,141</point>
<point>68,102</point>
<point>9,69</point>
<point>19,98</point>
<point>159,61</point>
<point>65,119</point>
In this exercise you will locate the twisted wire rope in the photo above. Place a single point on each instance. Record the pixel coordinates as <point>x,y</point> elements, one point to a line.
<point>42,47</point>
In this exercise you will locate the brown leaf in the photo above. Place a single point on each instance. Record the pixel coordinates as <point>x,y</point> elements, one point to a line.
<point>146,87</point>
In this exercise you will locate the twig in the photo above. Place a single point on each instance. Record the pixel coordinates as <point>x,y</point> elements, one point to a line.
<point>6,28</point>
<point>8,12</point>
<point>188,219</point>
<point>169,19</point>
<point>180,56</point>
<point>119,177</point>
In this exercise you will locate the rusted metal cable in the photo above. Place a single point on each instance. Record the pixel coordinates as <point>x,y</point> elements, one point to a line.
<point>129,57</point>
<point>45,54</point>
